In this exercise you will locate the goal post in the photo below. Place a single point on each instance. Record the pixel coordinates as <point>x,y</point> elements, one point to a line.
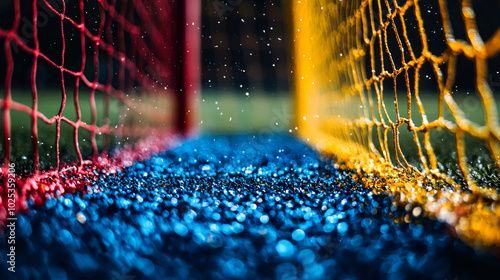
<point>80,79</point>
<point>404,93</point>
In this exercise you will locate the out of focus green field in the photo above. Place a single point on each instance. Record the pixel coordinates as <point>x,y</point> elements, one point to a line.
<point>241,113</point>
<point>219,114</point>
<point>229,113</point>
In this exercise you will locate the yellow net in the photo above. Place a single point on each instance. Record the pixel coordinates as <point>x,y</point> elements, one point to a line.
<point>360,71</point>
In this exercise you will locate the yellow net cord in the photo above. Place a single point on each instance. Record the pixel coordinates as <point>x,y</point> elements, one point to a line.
<point>345,52</point>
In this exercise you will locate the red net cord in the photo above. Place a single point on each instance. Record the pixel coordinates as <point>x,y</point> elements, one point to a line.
<point>139,54</point>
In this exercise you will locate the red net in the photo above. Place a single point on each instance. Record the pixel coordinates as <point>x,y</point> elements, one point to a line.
<point>118,71</point>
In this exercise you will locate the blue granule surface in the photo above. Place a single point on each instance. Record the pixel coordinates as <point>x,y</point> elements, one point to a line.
<point>236,207</point>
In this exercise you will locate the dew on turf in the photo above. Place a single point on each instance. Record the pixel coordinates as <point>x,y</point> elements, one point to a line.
<point>180,219</point>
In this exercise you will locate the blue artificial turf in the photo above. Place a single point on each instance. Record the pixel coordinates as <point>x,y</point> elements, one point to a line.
<point>231,207</point>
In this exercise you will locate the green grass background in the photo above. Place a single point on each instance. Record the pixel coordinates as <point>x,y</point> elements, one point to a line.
<point>229,112</point>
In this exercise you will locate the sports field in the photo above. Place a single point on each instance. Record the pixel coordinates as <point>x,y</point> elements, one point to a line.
<point>233,207</point>
<point>257,204</point>
<point>272,139</point>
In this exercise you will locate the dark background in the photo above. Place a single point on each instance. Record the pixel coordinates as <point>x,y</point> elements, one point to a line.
<point>244,44</point>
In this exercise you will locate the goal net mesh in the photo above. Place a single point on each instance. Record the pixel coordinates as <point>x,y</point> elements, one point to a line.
<point>404,92</point>
<point>79,77</point>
